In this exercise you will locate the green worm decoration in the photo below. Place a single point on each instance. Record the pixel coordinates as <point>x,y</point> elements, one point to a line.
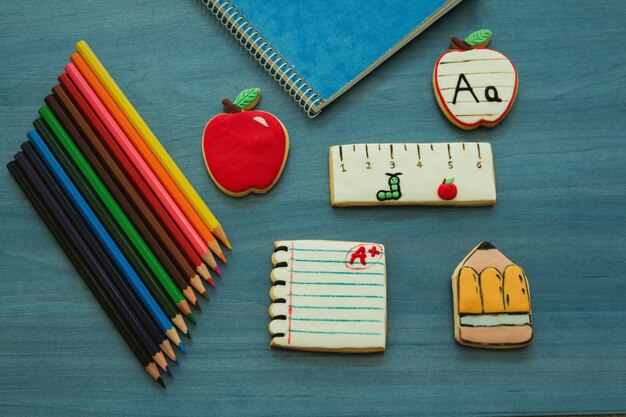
<point>394,189</point>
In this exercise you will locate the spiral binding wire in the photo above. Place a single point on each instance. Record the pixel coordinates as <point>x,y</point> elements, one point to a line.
<point>282,283</point>
<point>263,52</point>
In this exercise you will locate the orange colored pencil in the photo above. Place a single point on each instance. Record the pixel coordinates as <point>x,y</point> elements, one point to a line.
<point>148,156</point>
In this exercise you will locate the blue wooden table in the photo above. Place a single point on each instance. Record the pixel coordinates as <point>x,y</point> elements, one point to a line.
<point>561,213</point>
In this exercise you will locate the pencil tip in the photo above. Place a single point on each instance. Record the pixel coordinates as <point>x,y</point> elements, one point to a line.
<point>205,295</point>
<point>485,246</point>
<point>177,362</point>
<point>197,305</point>
<point>217,270</point>
<point>211,282</point>
<point>191,318</point>
<point>169,372</point>
<point>222,257</point>
<point>161,382</point>
<point>182,347</point>
<point>188,334</point>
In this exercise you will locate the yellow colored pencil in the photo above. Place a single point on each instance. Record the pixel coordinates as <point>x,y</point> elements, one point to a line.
<point>168,163</point>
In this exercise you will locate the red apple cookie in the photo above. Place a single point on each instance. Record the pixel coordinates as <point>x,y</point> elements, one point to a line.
<point>474,85</point>
<point>245,150</point>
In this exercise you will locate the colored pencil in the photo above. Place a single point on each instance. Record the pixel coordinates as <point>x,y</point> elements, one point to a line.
<point>100,180</point>
<point>118,235</point>
<point>82,263</point>
<point>145,151</point>
<point>36,179</point>
<point>136,179</point>
<point>113,207</point>
<point>152,141</point>
<point>113,251</point>
<point>106,219</point>
<point>130,201</point>
<point>171,206</point>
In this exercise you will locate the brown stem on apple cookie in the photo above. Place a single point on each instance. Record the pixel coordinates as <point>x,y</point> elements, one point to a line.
<point>457,43</point>
<point>230,106</point>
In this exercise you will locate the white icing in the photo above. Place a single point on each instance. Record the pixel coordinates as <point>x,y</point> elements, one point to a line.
<point>261,120</point>
<point>482,68</point>
<point>352,183</point>
<point>328,305</point>
<point>489,320</point>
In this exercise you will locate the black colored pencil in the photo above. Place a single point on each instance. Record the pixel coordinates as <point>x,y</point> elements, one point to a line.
<point>43,182</point>
<point>87,266</point>
<point>120,238</point>
<point>118,235</point>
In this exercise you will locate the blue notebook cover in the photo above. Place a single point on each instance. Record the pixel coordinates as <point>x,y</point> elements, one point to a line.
<point>317,50</point>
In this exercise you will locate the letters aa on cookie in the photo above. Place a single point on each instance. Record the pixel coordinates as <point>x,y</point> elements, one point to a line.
<point>328,296</point>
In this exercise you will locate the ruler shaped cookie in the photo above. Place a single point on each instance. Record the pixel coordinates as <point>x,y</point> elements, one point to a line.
<point>451,174</point>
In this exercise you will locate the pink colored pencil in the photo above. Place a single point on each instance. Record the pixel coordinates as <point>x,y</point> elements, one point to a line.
<point>172,208</point>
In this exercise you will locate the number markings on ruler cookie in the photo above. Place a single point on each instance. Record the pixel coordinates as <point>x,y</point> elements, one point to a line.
<point>413,174</point>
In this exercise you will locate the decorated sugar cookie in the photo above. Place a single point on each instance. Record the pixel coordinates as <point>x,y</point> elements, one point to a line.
<point>328,296</point>
<point>439,174</point>
<point>491,301</point>
<point>245,150</point>
<point>474,85</point>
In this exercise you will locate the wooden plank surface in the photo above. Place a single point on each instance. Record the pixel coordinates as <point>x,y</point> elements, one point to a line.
<point>561,178</point>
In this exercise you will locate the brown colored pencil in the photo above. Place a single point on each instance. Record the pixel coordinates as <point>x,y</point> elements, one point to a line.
<point>156,210</point>
<point>83,137</point>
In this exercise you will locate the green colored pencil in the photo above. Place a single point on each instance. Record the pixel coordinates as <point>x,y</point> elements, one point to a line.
<point>108,200</point>
<point>112,226</point>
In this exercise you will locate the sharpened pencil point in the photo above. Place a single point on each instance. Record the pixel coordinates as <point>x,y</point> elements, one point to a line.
<point>211,282</point>
<point>177,362</point>
<point>169,372</point>
<point>161,382</point>
<point>197,305</point>
<point>182,347</point>
<point>205,295</point>
<point>191,318</point>
<point>188,334</point>
<point>217,270</point>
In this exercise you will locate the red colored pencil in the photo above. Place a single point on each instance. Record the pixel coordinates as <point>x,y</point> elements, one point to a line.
<point>134,176</point>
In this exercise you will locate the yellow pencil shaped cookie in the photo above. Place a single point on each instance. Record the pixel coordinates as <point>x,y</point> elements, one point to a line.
<point>491,301</point>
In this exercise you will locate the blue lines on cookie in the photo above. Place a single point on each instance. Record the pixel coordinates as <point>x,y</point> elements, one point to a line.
<point>354,333</point>
<point>356,284</point>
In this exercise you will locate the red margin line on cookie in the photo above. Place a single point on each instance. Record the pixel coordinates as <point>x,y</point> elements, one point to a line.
<point>290,294</point>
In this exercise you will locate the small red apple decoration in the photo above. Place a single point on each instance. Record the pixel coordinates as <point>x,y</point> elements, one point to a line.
<point>245,150</point>
<point>474,85</point>
<point>447,189</point>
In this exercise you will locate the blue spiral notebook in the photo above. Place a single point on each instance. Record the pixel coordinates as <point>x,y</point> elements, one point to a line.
<point>318,50</point>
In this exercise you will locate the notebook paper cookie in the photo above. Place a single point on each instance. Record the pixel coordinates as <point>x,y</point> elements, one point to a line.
<point>328,296</point>
<point>491,301</point>
<point>452,174</point>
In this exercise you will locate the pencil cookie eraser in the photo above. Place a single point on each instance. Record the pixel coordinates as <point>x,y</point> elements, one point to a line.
<point>474,85</point>
<point>328,296</point>
<point>245,150</point>
<point>491,301</point>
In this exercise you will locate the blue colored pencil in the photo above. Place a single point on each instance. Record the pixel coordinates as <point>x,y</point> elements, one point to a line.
<point>55,198</point>
<point>114,252</point>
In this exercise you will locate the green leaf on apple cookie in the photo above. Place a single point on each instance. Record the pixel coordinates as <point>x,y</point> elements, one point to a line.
<point>449,181</point>
<point>247,99</point>
<point>482,36</point>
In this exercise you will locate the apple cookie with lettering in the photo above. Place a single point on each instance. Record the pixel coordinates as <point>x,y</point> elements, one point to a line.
<point>491,301</point>
<point>475,85</point>
<point>245,150</point>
